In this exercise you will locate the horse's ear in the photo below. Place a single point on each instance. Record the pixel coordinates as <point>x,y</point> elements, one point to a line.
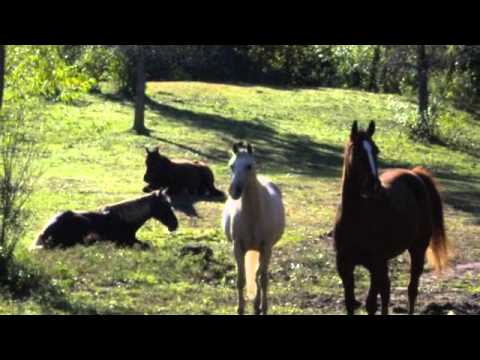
<point>147,150</point>
<point>250,149</point>
<point>236,149</point>
<point>354,132</point>
<point>371,129</point>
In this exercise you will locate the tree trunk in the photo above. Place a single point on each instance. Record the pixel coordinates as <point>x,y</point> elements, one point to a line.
<point>422,71</point>
<point>2,73</point>
<point>373,83</point>
<point>425,126</point>
<point>139,125</point>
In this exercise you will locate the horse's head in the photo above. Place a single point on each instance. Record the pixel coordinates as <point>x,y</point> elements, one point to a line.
<point>156,166</point>
<point>362,160</point>
<point>162,211</point>
<point>243,169</point>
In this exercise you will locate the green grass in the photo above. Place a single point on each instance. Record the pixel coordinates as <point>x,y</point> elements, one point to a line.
<point>93,159</point>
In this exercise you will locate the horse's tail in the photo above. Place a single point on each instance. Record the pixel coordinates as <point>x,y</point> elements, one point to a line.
<point>252,262</point>
<point>439,251</point>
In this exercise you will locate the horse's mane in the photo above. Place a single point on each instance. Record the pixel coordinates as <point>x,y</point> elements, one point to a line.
<point>347,162</point>
<point>131,210</point>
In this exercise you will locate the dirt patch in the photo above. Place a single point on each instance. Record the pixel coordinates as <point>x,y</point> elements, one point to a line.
<point>471,307</point>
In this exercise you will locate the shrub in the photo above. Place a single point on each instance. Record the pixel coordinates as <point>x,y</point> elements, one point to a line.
<point>44,70</point>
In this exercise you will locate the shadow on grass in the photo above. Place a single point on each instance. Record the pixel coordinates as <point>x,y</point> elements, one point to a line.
<point>23,282</point>
<point>186,204</point>
<point>289,153</point>
<point>295,154</point>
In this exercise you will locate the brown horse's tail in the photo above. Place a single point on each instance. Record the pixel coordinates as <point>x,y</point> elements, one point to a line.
<point>439,251</point>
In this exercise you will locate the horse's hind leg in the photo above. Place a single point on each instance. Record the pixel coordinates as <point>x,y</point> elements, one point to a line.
<point>372,299</point>
<point>385,288</point>
<point>241,279</point>
<point>418,265</point>
<point>345,271</point>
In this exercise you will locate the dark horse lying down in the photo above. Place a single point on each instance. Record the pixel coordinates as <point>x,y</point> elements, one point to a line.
<point>177,177</point>
<point>117,223</point>
<point>380,217</point>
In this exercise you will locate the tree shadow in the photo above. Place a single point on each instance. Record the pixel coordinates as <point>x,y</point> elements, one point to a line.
<point>290,153</point>
<point>23,282</point>
<point>218,157</point>
<point>186,203</point>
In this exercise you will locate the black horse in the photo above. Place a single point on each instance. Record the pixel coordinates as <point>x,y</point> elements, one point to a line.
<point>117,223</point>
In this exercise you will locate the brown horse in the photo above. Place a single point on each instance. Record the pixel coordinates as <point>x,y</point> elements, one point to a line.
<point>176,177</point>
<point>380,217</point>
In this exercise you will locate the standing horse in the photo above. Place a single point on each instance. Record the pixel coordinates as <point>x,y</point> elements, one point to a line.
<point>254,220</point>
<point>118,223</point>
<point>382,216</point>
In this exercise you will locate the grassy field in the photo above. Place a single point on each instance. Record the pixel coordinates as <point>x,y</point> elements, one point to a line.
<point>92,159</point>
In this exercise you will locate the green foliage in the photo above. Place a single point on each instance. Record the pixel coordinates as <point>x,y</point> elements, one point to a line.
<point>18,150</point>
<point>44,70</point>
<point>353,63</point>
<point>102,63</point>
<point>420,126</point>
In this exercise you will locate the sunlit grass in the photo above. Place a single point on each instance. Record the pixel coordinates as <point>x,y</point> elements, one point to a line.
<point>92,159</point>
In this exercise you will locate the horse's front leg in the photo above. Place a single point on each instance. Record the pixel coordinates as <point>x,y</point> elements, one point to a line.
<point>372,298</point>
<point>262,294</point>
<point>345,268</point>
<point>241,278</point>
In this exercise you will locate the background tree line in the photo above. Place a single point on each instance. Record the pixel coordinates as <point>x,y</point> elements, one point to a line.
<point>433,73</point>
<point>379,68</point>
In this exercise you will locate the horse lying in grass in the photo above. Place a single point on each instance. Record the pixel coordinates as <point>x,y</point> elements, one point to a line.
<point>254,220</point>
<point>178,177</point>
<point>380,217</point>
<point>117,223</point>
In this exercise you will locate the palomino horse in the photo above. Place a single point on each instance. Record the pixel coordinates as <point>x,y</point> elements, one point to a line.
<point>382,216</point>
<point>118,223</point>
<point>254,220</point>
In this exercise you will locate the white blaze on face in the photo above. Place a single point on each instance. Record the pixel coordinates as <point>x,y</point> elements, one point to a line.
<point>368,148</point>
<point>240,173</point>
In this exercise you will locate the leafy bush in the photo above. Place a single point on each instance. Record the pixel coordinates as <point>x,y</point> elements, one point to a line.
<point>43,70</point>
<point>18,150</point>
<point>420,126</point>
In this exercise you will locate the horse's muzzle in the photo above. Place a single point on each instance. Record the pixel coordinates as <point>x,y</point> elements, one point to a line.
<point>235,192</point>
<point>173,227</point>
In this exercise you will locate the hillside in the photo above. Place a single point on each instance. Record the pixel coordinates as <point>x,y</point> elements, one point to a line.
<point>92,159</point>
